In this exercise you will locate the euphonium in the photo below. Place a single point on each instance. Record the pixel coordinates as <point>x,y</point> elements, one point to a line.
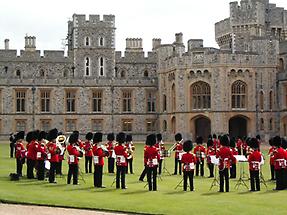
<point>61,143</point>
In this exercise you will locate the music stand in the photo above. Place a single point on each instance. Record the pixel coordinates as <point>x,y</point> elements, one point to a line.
<point>114,181</point>
<point>166,154</point>
<point>81,175</point>
<point>241,159</point>
<point>261,177</point>
<point>215,181</point>
<point>180,184</point>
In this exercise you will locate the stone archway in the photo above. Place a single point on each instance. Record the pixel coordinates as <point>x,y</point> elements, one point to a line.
<point>238,126</point>
<point>202,127</point>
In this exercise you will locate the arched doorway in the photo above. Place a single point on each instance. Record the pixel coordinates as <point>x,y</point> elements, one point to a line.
<point>202,127</point>
<point>238,126</point>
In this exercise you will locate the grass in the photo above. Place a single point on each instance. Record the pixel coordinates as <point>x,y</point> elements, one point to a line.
<point>137,198</point>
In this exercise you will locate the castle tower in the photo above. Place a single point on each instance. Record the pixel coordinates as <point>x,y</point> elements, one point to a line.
<point>6,44</point>
<point>30,43</point>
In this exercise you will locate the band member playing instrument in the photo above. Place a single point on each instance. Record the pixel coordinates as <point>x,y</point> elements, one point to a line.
<point>280,159</point>
<point>99,155</point>
<point>216,142</point>
<point>73,160</point>
<point>151,159</point>
<point>244,145</point>
<point>32,144</point>
<point>234,152</point>
<point>199,152</point>
<point>178,150</point>
<point>121,160</point>
<point>160,147</point>
<point>210,152</point>
<point>225,158</point>
<point>254,160</point>
<point>20,152</point>
<point>88,152</point>
<point>130,150</point>
<point>188,160</point>
<point>53,153</point>
<point>239,145</point>
<point>112,155</point>
<point>62,147</point>
<point>271,159</point>
<point>41,155</point>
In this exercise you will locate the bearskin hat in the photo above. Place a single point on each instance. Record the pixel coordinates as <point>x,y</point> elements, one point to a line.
<point>42,135</point>
<point>254,143</point>
<point>277,141</point>
<point>224,140</point>
<point>199,140</point>
<point>214,136</point>
<point>284,143</point>
<point>29,137</point>
<point>35,135</point>
<point>209,142</point>
<point>20,135</point>
<point>150,140</point>
<point>232,142</point>
<point>111,137</point>
<point>258,137</point>
<point>178,137</point>
<point>52,134</point>
<point>77,133</point>
<point>98,137</point>
<point>73,138</point>
<point>129,138</point>
<point>187,145</point>
<point>159,137</point>
<point>89,136</point>
<point>121,137</point>
<point>271,141</point>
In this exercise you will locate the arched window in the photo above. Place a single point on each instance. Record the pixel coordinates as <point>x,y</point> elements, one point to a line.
<point>65,73</point>
<point>261,124</point>
<point>261,100</point>
<point>18,73</point>
<point>270,100</point>
<point>101,66</point>
<point>42,73</point>
<point>164,125</point>
<point>164,103</point>
<point>238,92</point>
<point>281,65</point>
<point>87,41</point>
<point>145,73</point>
<point>271,124</point>
<point>101,41</point>
<point>200,95</point>
<point>173,98</point>
<point>123,73</point>
<point>87,66</point>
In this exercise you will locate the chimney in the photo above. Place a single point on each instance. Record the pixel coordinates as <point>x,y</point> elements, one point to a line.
<point>30,43</point>
<point>178,38</point>
<point>156,43</point>
<point>6,42</point>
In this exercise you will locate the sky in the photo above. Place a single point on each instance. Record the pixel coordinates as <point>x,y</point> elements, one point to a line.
<point>146,19</point>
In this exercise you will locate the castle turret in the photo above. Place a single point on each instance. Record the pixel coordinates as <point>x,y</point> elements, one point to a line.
<point>134,44</point>
<point>179,47</point>
<point>30,43</point>
<point>6,44</point>
<point>156,42</point>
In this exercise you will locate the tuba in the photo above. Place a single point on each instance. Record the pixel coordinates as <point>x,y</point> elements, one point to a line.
<point>61,143</point>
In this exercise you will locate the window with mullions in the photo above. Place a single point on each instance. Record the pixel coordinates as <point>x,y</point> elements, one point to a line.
<point>97,101</point>
<point>200,95</point>
<point>238,92</point>
<point>70,101</point>
<point>151,99</point>
<point>20,125</point>
<point>101,66</point>
<point>127,101</point>
<point>20,101</point>
<point>45,101</point>
<point>127,125</point>
<point>87,66</point>
<point>151,125</point>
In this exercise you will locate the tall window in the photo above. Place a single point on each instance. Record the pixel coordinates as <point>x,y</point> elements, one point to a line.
<point>200,94</point>
<point>173,98</point>
<point>87,66</point>
<point>20,101</point>
<point>87,41</point>
<point>97,125</point>
<point>127,125</point>
<point>238,91</point>
<point>150,125</point>
<point>71,101</point>
<point>261,100</point>
<point>151,99</point>
<point>164,102</point>
<point>271,100</point>
<point>127,101</point>
<point>97,101</point>
<point>18,73</point>
<point>71,125</point>
<point>45,101</point>
<point>261,124</point>
<point>45,124</point>
<point>101,41</point>
<point>271,124</point>
<point>101,66</point>
<point>164,125</point>
<point>20,125</point>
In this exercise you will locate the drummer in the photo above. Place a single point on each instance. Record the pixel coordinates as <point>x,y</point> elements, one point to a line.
<point>161,149</point>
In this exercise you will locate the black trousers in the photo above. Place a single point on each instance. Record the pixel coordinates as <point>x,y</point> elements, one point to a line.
<point>160,166</point>
<point>41,170</point>
<point>239,151</point>
<point>19,166</point>
<point>233,171</point>
<point>30,168</point>
<point>98,176</point>
<point>254,180</point>
<point>12,150</point>
<point>211,169</point>
<point>130,164</point>
<point>188,175</point>
<point>52,172</point>
<point>59,168</point>
<point>177,163</point>
<point>88,164</point>
<point>280,177</point>
<point>73,171</point>
<point>151,178</point>
<point>272,170</point>
<point>223,176</point>
<point>143,174</point>
<point>201,165</point>
<point>111,165</point>
<point>121,176</point>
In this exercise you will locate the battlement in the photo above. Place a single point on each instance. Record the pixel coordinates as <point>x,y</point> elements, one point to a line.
<point>222,28</point>
<point>81,20</point>
<point>195,44</point>
<point>135,57</point>
<point>134,44</point>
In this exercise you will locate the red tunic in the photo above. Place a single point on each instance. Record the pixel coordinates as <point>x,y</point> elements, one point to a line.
<point>210,152</point>
<point>216,143</point>
<point>53,151</point>
<point>32,150</point>
<point>234,152</point>
<point>20,150</point>
<point>88,149</point>
<point>160,147</point>
<point>199,152</point>
<point>178,149</point>
<point>41,152</point>
<point>280,158</point>
<point>239,144</point>
<point>254,160</point>
<point>121,155</point>
<point>270,153</point>
<point>110,147</point>
<point>225,157</point>
<point>188,160</point>
<point>151,156</point>
<point>73,154</point>
<point>98,155</point>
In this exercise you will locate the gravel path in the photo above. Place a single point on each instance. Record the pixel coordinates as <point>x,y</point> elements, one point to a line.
<point>11,209</point>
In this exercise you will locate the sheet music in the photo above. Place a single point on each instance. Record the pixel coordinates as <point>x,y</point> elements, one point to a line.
<point>214,160</point>
<point>240,158</point>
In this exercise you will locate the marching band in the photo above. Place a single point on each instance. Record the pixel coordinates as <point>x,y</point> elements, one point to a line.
<point>43,152</point>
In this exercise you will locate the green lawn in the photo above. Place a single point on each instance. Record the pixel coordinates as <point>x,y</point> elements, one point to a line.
<point>137,198</point>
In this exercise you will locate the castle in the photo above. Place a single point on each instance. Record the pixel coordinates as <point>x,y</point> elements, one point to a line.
<point>240,88</point>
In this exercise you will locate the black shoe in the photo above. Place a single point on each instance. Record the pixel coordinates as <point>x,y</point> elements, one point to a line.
<point>141,180</point>
<point>102,186</point>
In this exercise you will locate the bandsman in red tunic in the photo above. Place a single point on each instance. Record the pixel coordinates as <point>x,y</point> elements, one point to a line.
<point>73,159</point>
<point>199,152</point>
<point>32,145</point>
<point>178,151</point>
<point>210,152</point>
<point>110,146</point>
<point>271,158</point>
<point>239,145</point>
<point>216,142</point>
<point>99,155</point>
<point>161,148</point>
<point>254,160</point>
<point>88,152</point>
<point>20,152</point>
<point>151,159</point>
<point>188,160</point>
<point>41,155</point>
<point>143,174</point>
<point>234,152</point>
<point>121,160</point>
<point>130,150</point>
<point>225,159</point>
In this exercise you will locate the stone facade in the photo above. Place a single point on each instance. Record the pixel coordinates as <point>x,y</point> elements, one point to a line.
<point>240,88</point>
